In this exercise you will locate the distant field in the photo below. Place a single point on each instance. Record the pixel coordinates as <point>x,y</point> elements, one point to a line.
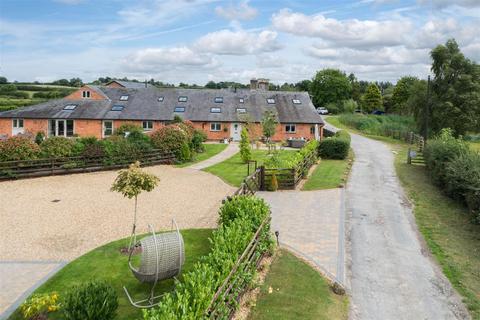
<point>14,96</point>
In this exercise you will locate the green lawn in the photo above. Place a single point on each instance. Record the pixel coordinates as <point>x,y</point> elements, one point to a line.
<point>475,146</point>
<point>210,150</point>
<point>328,174</point>
<point>444,223</point>
<point>298,292</point>
<point>233,170</point>
<point>108,263</point>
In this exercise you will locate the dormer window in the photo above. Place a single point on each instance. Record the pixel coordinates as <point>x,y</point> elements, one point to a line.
<point>160,99</point>
<point>182,99</point>
<point>271,101</point>
<point>215,110</point>
<point>86,94</point>
<point>241,110</point>
<point>218,100</point>
<point>117,107</point>
<point>70,107</point>
<point>296,101</point>
<point>179,109</point>
<point>241,100</point>
<point>124,98</point>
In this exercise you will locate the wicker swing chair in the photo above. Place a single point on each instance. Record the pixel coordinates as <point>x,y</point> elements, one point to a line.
<point>162,258</point>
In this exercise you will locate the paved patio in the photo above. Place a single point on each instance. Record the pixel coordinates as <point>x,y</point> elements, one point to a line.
<point>311,223</point>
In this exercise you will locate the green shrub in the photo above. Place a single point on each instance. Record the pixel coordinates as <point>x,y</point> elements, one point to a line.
<point>93,300</point>
<point>198,138</point>
<point>128,127</point>
<point>462,175</point>
<point>349,106</point>
<point>169,139</point>
<point>58,147</point>
<point>39,137</point>
<point>240,218</point>
<point>18,148</point>
<point>119,150</point>
<point>185,154</point>
<point>336,147</point>
<point>394,126</point>
<point>245,151</point>
<point>141,141</point>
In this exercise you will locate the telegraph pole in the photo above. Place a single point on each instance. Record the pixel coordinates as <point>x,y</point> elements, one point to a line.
<point>427,111</point>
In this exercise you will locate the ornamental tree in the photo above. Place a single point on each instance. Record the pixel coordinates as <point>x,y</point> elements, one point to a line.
<point>269,123</point>
<point>245,151</point>
<point>372,99</point>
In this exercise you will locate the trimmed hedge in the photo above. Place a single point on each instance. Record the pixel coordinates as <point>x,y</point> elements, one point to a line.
<point>58,147</point>
<point>336,147</point>
<point>171,138</point>
<point>455,168</point>
<point>239,219</point>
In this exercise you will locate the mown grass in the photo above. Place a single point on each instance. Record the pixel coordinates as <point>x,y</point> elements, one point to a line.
<point>210,150</point>
<point>475,146</point>
<point>328,174</point>
<point>297,292</point>
<point>234,170</point>
<point>107,263</point>
<point>444,224</point>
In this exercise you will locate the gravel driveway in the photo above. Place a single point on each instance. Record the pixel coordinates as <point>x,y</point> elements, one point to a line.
<point>391,274</point>
<point>62,217</point>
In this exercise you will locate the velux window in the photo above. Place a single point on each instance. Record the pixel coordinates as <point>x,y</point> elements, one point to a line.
<point>124,98</point>
<point>117,107</point>
<point>70,107</point>
<point>241,110</point>
<point>215,110</point>
<point>296,101</point>
<point>290,128</point>
<point>182,99</point>
<point>218,100</point>
<point>147,125</point>
<point>215,126</point>
<point>241,100</point>
<point>271,101</point>
<point>179,109</point>
<point>160,99</point>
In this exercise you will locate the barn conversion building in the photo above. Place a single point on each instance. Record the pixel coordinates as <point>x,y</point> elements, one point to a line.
<point>98,110</point>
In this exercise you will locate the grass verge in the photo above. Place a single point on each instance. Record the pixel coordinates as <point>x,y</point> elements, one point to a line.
<point>211,149</point>
<point>107,263</point>
<point>234,170</point>
<point>294,290</point>
<point>329,174</point>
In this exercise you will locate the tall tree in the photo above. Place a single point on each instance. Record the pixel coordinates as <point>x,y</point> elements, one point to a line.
<point>245,152</point>
<point>455,101</point>
<point>372,99</point>
<point>330,86</point>
<point>269,123</point>
<point>356,94</point>
<point>401,94</point>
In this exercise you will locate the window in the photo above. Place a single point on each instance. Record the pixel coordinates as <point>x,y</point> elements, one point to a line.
<point>215,110</point>
<point>160,99</point>
<point>312,130</point>
<point>215,126</point>
<point>241,100</point>
<point>86,94</point>
<point>270,101</point>
<point>18,123</point>
<point>218,100</point>
<point>179,109</point>
<point>124,98</point>
<point>70,107</point>
<point>290,128</point>
<point>241,110</point>
<point>182,99</point>
<point>147,125</point>
<point>117,107</point>
<point>61,128</point>
<point>296,101</point>
<point>107,128</point>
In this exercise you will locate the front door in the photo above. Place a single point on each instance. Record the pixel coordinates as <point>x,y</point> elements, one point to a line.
<point>17,127</point>
<point>235,131</point>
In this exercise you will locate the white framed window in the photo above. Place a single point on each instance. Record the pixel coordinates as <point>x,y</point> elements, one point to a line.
<point>61,128</point>
<point>160,99</point>
<point>17,123</point>
<point>70,107</point>
<point>182,99</point>
<point>241,100</point>
<point>271,101</point>
<point>107,128</point>
<point>218,99</point>
<point>86,94</point>
<point>290,128</point>
<point>241,110</point>
<point>147,125</point>
<point>215,110</point>
<point>124,98</point>
<point>179,109</point>
<point>215,126</point>
<point>296,101</point>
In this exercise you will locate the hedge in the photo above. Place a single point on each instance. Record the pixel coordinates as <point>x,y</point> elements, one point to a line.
<point>239,219</point>
<point>171,138</point>
<point>336,147</point>
<point>18,148</point>
<point>455,168</point>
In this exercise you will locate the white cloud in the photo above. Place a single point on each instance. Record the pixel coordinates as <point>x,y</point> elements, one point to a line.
<point>243,11</point>
<point>448,3</point>
<point>238,42</point>
<point>152,59</point>
<point>352,32</point>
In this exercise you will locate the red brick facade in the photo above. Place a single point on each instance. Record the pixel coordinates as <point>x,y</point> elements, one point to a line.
<point>93,95</point>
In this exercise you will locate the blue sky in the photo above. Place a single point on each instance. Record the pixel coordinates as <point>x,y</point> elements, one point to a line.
<point>196,41</point>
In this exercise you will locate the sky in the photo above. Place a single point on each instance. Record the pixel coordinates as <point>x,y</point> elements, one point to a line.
<point>195,41</point>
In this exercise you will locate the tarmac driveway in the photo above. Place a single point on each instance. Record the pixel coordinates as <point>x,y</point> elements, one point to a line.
<point>391,274</point>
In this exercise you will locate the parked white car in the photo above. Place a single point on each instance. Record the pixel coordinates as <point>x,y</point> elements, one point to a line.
<point>322,110</point>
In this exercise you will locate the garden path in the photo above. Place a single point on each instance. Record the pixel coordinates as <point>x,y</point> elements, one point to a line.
<point>220,157</point>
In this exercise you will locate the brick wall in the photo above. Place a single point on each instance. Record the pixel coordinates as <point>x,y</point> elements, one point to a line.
<point>214,135</point>
<point>6,127</point>
<point>114,85</point>
<point>78,95</point>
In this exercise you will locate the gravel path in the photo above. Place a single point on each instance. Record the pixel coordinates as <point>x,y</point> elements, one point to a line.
<point>35,226</point>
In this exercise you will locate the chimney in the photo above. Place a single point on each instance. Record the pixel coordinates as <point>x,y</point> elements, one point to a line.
<point>263,84</point>
<point>253,84</point>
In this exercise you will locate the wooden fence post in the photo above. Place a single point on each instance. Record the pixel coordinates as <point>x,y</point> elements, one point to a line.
<point>262,178</point>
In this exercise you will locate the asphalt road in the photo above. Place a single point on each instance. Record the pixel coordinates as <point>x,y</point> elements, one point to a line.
<point>390,274</point>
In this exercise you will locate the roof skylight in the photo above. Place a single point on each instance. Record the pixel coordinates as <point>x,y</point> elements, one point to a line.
<point>179,109</point>
<point>160,99</point>
<point>270,101</point>
<point>215,110</point>
<point>70,107</point>
<point>296,101</point>
<point>117,107</point>
<point>182,99</point>
<point>124,98</point>
<point>218,99</point>
<point>241,110</point>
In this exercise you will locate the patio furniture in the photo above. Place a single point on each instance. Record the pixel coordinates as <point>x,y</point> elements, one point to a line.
<point>162,257</point>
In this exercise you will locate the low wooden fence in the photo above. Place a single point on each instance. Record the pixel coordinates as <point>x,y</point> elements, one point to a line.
<point>227,297</point>
<point>415,151</point>
<point>58,166</point>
